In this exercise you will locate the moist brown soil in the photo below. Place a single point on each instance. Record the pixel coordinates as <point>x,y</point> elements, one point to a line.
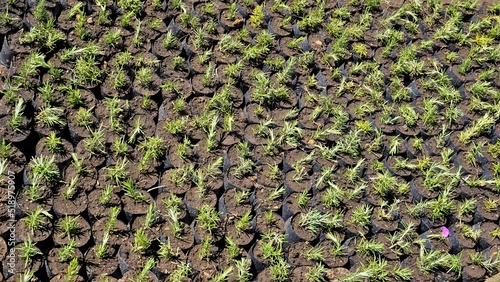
<point>119,236</point>
<point>101,266</point>
<point>55,265</point>
<point>184,242</point>
<point>81,236</point>
<point>70,206</point>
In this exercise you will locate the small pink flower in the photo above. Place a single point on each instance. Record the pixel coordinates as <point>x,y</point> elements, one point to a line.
<point>445,232</point>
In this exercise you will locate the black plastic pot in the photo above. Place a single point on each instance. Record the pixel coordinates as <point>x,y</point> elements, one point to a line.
<point>52,254</point>
<point>259,265</point>
<point>449,276</point>
<point>296,30</point>
<point>481,215</point>
<point>292,236</point>
<point>278,227</point>
<point>378,226</point>
<point>427,223</point>
<point>286,212</point>
<point>126,254</point>
<point>487,240</point>
<point>458,242</point>
<point>322,82</point>
<point>455,78</point>
<point>34,265</point>
<point>5,54</point>
<point>436,244</point>
<point>175,29</point>
<point>194,211</point>
<point>223,208</point>
<point>122,263</point>
<point>473,273</point>
<point>216,237</point>
<point>132,275</point>
<point>421,193</point>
